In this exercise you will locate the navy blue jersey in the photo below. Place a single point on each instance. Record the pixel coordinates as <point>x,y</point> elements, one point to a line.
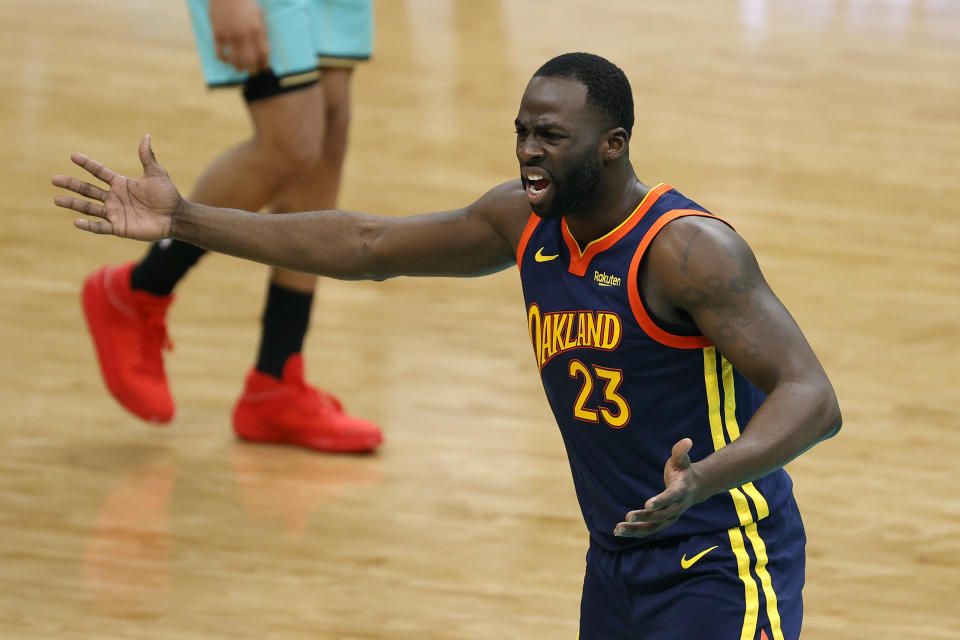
<point>623,389</point>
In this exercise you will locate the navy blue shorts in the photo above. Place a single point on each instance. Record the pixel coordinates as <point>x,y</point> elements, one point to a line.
<point>740,584</point>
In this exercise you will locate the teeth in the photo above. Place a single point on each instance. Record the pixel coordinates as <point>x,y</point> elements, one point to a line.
<point>534,176</point>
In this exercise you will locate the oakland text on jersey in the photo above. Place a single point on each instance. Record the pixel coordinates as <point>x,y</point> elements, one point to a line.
<point>558,331</point>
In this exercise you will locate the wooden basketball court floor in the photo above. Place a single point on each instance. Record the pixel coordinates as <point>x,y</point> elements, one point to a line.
<point>827,131</point>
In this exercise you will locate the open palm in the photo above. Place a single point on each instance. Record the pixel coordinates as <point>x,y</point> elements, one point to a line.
<point>680,493</point>
<point>139,208</point>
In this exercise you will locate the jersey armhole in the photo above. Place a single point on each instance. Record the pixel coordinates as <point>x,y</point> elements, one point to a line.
<point>640,314</point>
<point>532,223</point>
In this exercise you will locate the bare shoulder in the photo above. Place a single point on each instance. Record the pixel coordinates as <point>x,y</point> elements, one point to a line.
<point>505,208</point>
<point>701,266</point>
<point>696,258</point>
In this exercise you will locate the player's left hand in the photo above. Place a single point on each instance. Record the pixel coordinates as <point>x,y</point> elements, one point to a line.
<point>661,511</point>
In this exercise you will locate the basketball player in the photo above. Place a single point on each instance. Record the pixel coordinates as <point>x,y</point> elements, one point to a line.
<point>680,383</point>
<point>294,61</point>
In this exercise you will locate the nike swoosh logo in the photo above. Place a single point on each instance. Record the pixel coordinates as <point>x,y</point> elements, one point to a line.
<point>542,258</point>
<point>686,564</point>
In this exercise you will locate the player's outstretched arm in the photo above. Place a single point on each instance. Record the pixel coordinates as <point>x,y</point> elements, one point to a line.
<point>478,239</point>
<point>708,272</point>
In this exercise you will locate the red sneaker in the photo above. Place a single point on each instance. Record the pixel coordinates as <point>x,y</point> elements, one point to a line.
<point>129,334</point>
<point>289,411</point>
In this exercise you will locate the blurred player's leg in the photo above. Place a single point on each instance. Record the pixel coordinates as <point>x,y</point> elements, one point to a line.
<point>277,404</point>
<point>126,305</point>
<point>293,162</point>
<point>286,143</point>
<point>315,189</point>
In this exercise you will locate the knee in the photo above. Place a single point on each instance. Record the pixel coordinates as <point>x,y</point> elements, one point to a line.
<point>292,151</point>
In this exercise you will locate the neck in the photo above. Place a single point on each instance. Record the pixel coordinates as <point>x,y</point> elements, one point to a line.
<point>617,201</point>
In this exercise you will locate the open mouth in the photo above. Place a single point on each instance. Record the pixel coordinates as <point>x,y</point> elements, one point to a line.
<point>537,185</point>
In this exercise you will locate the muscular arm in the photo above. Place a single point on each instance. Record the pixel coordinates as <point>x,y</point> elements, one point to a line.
<point>709,272</point>
<point>478,239</point>
<point>699,271</point>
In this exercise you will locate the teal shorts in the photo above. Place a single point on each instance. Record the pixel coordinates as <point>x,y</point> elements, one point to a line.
<point>305,36</point>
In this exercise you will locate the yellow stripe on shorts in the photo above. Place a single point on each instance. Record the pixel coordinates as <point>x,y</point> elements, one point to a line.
<point>750,594</point>
<point>740,502</point>
<point>760,550</point>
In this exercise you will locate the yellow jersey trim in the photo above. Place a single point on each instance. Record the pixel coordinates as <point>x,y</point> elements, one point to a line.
<point>733,430</point>
<point>584,251</point>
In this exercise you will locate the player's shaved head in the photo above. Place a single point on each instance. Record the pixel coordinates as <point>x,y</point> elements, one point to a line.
<point>608,89</point>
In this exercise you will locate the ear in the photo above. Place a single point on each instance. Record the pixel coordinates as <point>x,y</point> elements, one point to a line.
<point>615,144</point>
